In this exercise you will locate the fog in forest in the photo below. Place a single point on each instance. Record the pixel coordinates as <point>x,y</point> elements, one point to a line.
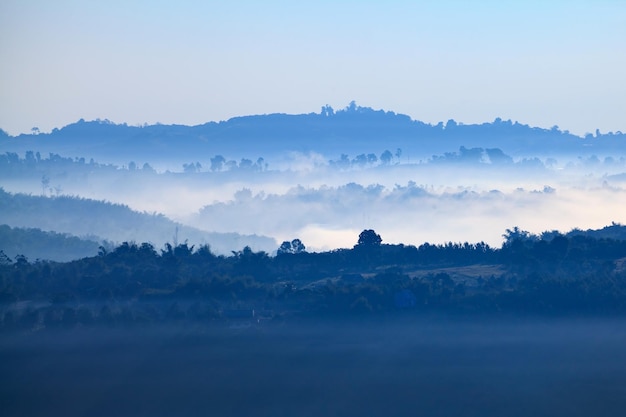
<point>467,195</point>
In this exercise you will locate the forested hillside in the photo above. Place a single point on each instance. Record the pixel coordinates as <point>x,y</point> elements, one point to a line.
<point>99,220</point>
<point>555,274</point>
<point>36,244</point>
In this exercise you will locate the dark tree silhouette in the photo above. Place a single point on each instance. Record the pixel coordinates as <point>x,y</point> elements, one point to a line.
<point>516,233</point>
<point>4,259</point>
<point>369,238</point>
<point>295,246</point>
<point>284,248</point>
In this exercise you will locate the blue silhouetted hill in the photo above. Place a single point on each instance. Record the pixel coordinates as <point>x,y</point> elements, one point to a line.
<point>354,129</point>
<point>100,220</point>
<point>37,244</point>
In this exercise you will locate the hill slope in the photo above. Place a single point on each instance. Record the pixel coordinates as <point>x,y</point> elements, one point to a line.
<point>98,220</point>
<point>37,244</point>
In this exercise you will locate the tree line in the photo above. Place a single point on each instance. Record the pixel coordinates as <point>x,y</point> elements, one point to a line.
<point>553,274</point>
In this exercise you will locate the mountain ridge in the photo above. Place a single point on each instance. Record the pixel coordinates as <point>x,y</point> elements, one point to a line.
<point>352,129</point>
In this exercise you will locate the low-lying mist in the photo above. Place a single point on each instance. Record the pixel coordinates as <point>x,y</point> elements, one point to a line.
<point>331,217</point>
<point>326,202</point>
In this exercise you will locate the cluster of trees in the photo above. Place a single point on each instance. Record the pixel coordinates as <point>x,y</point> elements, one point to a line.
<point>366,160</point>
<point>471,156</point>
<point>13,165</point>
<point>49,170</point>
<point>474,155</point>
<point>293,247</point>
<point>219,163</point>
<point>55,168</point>
<point>495,156</point>
<point>554,273</point>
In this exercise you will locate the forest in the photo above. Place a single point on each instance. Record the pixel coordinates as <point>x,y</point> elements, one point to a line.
<point>580,273</point>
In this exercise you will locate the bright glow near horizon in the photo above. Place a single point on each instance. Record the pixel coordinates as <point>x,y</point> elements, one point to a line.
<point>541,63</point>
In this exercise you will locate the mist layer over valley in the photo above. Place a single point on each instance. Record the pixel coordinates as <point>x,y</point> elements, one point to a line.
<point>324,198</point>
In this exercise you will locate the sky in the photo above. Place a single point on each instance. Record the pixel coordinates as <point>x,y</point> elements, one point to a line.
<point>189,62</point>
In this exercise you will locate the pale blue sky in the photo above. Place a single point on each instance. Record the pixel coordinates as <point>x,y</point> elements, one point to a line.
<point>189,62</point>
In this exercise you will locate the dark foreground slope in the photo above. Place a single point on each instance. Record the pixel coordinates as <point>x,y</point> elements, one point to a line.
<point>428,366</point>
<point>534,328</point>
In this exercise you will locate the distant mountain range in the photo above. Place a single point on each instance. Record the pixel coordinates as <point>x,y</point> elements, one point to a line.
<point>353,130</point>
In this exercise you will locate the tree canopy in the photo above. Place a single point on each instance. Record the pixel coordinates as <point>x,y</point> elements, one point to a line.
<point>369,238</point>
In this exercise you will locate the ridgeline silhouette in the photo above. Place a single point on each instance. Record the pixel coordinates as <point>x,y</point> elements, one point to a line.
<point>354,129</point>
